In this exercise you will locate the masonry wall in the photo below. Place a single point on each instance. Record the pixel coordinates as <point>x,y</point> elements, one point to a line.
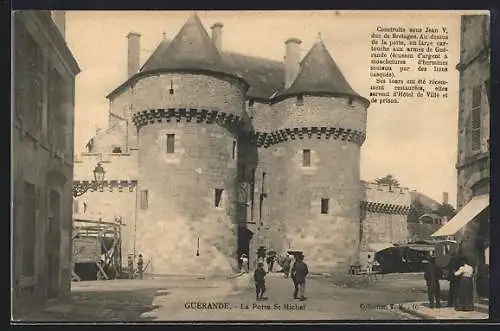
<point>263,116</point>
<point>181,185</point>
<point>113,202</point>
<point>473,166</point>
<point>123,106</point>
<point>295,191</point>
<point>45,161</point>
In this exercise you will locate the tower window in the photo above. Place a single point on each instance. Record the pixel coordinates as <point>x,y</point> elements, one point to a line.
<point>234,149</point>
<point>218,196</point>
<point>144,199</point>
<point>170,143</point>
<point>306,158</point>
<point>324,205</point>
<point>117,150</point>
<point>300,100</point>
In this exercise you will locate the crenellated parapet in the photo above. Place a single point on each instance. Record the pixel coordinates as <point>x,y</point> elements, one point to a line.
<point>110,185</point>
<point>226,119</point>
<point>118,166</point>
<point>264,139</point>
<point>383,198</point>
<point>384,208</point>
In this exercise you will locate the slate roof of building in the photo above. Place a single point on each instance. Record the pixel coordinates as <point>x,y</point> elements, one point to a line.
<point>319,74</point>
<point>425,200</point>
<point>192,49</point>
<point>264,76</point>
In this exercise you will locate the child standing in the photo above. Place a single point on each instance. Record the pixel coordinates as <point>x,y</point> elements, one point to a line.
<point>259,277</point>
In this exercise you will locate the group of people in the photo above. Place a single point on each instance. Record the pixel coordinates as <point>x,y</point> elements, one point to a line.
<point>460,276</point>
<point>297,270</point>
<point>140,267</point>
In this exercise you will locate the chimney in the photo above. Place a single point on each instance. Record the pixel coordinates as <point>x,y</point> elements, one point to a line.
<point>134,53</point>
<point>217,35</point>
<point>59,18</point>
<point>445,197</point>
<point>292,60</point>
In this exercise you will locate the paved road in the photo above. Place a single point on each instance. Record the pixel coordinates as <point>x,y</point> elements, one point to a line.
<point>325,301</point>
<point>165,299</point>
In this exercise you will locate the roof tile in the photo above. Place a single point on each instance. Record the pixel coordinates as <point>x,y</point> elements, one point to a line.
<point>319,73</point>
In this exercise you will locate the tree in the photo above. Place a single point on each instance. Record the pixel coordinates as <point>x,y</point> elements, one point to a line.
<point>446,210</point>
<point>389,180</point>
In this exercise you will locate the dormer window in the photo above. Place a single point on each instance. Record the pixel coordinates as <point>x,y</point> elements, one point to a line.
<point>250,103</point>
<point>116,150</point>
<point>300,100</point>
<point>349,101</point>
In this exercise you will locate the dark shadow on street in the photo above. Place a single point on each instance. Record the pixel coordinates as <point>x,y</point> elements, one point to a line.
<point>104,306</point>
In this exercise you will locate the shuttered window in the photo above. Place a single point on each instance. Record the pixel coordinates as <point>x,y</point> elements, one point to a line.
<point>306,158</point>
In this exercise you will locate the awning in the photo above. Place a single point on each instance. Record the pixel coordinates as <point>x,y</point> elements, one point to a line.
<point>377,247</point>
<point>421,248</point>
<point>464,216</point>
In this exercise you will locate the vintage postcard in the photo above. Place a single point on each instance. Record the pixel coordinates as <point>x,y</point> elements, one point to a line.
<point>269,166</point>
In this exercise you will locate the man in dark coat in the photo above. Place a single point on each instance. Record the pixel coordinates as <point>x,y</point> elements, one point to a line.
<point>299,273</point>
<point>432,275</point>
<point>454,280</point>
<point>259,276</point>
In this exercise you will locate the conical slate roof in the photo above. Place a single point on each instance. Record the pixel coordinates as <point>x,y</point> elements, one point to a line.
<point>319,73</point>
<point>191,49</point>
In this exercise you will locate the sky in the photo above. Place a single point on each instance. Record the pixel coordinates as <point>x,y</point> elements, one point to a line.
<point>415,141</point>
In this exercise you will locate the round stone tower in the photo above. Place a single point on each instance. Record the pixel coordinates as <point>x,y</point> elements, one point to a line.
<point>188,109</point>
<point>315,185</point>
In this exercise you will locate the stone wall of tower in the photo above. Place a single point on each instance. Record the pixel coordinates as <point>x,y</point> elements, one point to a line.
<point>181,186</point>
<point>330,241</point>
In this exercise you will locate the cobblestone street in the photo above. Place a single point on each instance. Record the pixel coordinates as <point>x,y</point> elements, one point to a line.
<point>165,299</point>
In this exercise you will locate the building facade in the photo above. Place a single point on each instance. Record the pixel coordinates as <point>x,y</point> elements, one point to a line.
<point>44,73</point>
<point>473,164</point>
<point>210,154</point>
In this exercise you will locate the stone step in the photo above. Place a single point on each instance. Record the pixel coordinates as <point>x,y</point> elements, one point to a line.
<point>482,308</point>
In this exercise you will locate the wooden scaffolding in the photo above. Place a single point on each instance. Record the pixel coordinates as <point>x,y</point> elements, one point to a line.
<point>97,241</point>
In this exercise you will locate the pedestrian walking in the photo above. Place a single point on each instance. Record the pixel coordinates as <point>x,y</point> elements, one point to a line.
<point>270,262</point>
<point>287,261</point>
<point>453,280</point>
<point>244,263</point>
<point>431,276</point>
<point>130,264</point>
<point>369,266</point>
<point>294,279</point>
<point>140,266</point>
<point>259,277</point>
<point>299,273</point>
<point>464,300</point>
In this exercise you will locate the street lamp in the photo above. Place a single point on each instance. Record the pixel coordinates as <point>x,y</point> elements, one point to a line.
<point>82,188</point>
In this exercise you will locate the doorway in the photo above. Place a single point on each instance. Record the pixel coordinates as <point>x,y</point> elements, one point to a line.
<point>54,244</point>
<point>244,237</point>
